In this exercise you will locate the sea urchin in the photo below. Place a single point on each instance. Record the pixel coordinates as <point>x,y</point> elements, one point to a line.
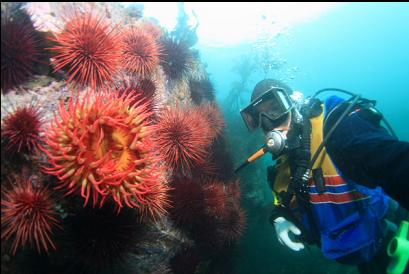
<point>19,50</point>
<point>87,49</point>
<point>214,116</point>
<point>28,215</point>
<point>187,200</point>
<point>104,238</point>
<point>22,129</point>
<point>176,57</point>
<point>140,52</point>
<point>201,91</point>
<point>182,139</point>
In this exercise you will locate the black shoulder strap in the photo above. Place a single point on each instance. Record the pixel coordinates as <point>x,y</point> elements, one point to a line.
<point>364,106</point>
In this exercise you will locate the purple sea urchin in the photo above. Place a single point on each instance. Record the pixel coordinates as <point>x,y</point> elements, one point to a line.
<point>176,55</point>
<point>19,50</point>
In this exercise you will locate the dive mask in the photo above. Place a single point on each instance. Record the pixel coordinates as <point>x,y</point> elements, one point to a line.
<point>271,107</point>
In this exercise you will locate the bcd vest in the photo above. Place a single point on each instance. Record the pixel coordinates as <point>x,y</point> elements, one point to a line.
<point>347,215</point>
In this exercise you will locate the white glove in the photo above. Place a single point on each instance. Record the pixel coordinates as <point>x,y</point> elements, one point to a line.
<point>283,227</point>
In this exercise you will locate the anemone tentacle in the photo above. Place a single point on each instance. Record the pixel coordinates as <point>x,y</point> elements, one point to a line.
<point>110,152</point>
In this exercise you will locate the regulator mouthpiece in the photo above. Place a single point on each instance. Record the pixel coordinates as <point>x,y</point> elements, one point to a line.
<point>276,143</point>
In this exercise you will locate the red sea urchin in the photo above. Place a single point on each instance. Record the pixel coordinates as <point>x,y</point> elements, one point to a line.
<point>22,129</point>
<point>232,225</point>
<point>152,28</point>
<point>102,146</point>
<point>19,50</point>
<point>213,115</point>
<point>28,215</point>
<point>234,191</point>
<point>140,52</point>
<point>182,139</point>
<point>224,221</point>
<point>87,49</point>
<point>187,200</point>
<point>233,222</point>
<point>215,198</point>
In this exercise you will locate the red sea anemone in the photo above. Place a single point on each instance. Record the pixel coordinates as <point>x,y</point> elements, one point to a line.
<point>101,145</point>
<point>140,52</point>
<point>182,139</point>
<point>22,129</point>
<point>144,91</point>
<point>28,216</point>
<point>148,91</point>
<point>87,49</point>
<point>19,50</point>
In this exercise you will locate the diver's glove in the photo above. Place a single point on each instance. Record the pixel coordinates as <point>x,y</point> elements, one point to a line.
<point>283,227</point>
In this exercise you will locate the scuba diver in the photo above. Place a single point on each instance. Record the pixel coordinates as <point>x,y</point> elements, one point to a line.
<point>334,163</point>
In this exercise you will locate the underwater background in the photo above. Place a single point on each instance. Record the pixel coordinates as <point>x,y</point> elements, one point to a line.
<point>359,47</point>
<point>200,217</point>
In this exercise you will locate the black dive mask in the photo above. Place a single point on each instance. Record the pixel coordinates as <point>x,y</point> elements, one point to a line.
<point>268,110</point>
